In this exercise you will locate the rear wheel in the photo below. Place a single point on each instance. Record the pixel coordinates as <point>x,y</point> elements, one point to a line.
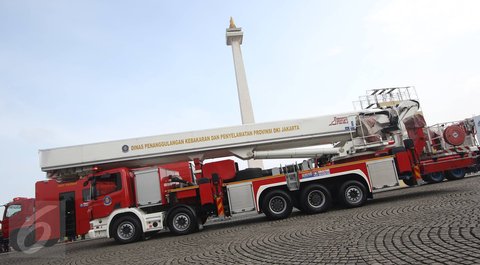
<point>435,177</point>
<point>455,174</point>
<point>352,194</point>
<point>315,199</point>
<point>277,204</point>
<point>182,221</point>
<point>412,181</point>
<point>127,229</point>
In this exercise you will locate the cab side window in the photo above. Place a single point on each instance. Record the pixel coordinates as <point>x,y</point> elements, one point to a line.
<point>86,195</point>
<point>13,209</point>
<point>107,183</point>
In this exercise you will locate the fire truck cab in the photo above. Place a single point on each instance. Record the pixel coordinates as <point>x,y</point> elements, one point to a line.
<point>59,211</point>
<point>17,217</point>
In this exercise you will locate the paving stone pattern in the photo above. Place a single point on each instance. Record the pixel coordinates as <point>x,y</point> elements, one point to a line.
<point>430,224</point>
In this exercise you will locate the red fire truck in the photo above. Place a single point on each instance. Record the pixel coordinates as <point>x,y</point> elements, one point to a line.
<point>17,215</point>
<point>59,210</point>
<point>133,195</point>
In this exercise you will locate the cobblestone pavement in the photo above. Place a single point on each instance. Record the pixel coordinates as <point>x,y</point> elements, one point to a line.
<point>437,223</point>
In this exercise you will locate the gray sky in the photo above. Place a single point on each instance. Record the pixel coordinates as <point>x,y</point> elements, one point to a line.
<point>74,72</point>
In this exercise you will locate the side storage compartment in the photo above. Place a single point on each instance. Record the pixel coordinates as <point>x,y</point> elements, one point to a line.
<point>383,174</point>
<point>240,197</point>
<point>147,183</point>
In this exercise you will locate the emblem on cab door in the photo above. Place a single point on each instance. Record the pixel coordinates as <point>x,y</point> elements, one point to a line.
<point>107,201</point>
<point>125,148</point>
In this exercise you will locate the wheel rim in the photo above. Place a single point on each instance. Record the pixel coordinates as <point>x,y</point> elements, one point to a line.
<point>316,199</point>
<point>354,194</point>
<point>181,221</point>
<point>277,204</point>
<point>410,181</point>
<point>457,173</point>
<point>436,177</point>
<point>126,230</point>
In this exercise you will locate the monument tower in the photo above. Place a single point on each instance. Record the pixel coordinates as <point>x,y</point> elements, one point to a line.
<point>235,39</point>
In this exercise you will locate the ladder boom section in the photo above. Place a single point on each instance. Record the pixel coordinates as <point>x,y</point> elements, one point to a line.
<point>295,153</point>
<point>240,141</point>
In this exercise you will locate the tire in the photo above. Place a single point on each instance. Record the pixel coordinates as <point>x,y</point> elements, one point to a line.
<point>182,221</point>
<point>277,204</point>
<point>249,173</point>
<point>455,174</point>
<point>435,177</point>
<point>127,229</point>
<point>315,198</point>
<point>22,239</point>
<point>410,182</point>
<point>352,194</point>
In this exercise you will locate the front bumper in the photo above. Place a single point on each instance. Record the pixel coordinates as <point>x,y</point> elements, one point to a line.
<point>98,229</point>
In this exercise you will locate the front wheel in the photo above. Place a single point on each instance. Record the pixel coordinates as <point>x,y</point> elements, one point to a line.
<point>277,204</point>
<point>22,239</point>
<point>315,199</point>
<point>352,194</point>
<point>3,245</point>
<point>182,221</point>
<point>127,229</point>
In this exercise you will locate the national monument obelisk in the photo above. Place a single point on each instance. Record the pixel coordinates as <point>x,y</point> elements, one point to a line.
<point>235,39</point>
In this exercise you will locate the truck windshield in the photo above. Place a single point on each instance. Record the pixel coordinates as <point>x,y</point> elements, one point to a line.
<point>13,209</point>
<point>105,184</point>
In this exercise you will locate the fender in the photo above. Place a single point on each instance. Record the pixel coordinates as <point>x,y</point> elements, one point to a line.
<point>140,215</point>
<point>350,172</point>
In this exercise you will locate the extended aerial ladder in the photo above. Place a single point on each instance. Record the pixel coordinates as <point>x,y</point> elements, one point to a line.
<point>348,131</point>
